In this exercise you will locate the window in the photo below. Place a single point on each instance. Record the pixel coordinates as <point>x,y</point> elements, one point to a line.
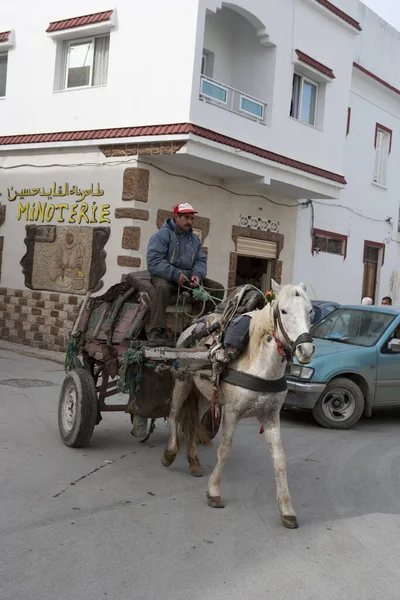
<point>327,241</point>
<point>3,73</point>
<point>383,146</point>
<point>304,99</point>
<point>85,62</point>
<point>207,63</point>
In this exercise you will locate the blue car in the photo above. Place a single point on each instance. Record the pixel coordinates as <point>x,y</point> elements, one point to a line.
<point>322,308</point>
<point>356,366</point>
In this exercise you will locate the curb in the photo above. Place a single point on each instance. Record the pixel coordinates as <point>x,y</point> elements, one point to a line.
<point>57,357</point>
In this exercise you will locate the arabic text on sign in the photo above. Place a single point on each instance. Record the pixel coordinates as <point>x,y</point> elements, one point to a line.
<point>56,191</point>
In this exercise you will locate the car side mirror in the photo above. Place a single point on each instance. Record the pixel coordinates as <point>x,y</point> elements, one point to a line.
<point>394,345</point>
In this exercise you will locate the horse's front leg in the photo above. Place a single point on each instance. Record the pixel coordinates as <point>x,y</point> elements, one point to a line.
<point>181,391</point>
<point>229,424</point>
<point>272,432</point>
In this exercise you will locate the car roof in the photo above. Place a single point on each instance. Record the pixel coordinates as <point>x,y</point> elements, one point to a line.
<point>325,302</point>
<point>388,310</point>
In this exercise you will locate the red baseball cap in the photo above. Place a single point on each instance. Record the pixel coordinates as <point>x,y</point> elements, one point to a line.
<point>184,208</point>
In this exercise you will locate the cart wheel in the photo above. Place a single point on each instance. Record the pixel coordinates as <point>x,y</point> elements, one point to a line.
<point>77,408</point>
<point>207,423</point>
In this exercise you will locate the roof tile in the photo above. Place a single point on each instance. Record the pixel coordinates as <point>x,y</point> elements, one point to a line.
<point>315,64</point>
<point>4,35</point>
<point>79,21</point>
<point>173,129</point>
<point>340,13</point>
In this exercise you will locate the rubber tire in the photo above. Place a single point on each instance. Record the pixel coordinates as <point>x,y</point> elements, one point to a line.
<point>207,423</point>
<point>352,387</point>
<point>86,409</point>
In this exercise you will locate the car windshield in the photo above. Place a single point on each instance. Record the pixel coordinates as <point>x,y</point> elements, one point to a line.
<point>352,326</point>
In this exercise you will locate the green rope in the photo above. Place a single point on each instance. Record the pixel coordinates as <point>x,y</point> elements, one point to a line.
<point>130,372</point>
<point>199,293</point>
<point>71,356</point>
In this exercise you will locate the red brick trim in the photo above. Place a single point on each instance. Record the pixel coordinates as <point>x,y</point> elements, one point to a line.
<point>4,36</point>
<point>348,121</point>
<point>383,128</point>
<point>378,79</point>
<point>333,235</point>
<point>374,245</point>
<point>74,22</point>
<point>176,129</point>
<point>315,64</point>
<point>340,13</point>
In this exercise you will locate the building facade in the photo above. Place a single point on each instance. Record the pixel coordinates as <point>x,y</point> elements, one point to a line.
<point>111,116</point>
<point>349,248</point>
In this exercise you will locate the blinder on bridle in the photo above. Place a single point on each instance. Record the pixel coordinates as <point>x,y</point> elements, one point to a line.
<point>303,338</point>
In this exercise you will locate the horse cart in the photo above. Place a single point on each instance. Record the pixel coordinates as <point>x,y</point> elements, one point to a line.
<point>107,355</point>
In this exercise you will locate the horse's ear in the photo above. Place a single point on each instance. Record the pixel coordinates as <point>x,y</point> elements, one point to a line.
<point>275,286</point>
<point>302,286</point>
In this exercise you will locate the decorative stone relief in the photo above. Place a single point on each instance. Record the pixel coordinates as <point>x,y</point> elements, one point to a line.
<point>258,223</point>
<point>65,259</point>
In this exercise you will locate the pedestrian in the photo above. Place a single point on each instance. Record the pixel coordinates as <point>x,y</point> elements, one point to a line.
<point>386,301</point>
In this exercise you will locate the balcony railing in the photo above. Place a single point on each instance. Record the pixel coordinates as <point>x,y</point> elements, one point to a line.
<point>231,99</point>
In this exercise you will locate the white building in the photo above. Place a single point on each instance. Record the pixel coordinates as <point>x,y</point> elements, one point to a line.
<point>348,249</point>
<point>110,116</point>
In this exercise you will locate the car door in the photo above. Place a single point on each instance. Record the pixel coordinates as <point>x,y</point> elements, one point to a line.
<point>388,371</point>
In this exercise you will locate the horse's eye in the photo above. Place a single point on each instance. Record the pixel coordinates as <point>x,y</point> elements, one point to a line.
<point>284,312</point>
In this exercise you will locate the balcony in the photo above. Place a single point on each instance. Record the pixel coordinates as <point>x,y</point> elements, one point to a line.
<point>231,99</point>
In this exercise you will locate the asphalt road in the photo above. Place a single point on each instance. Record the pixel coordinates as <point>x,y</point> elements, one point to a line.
<point>109,522</point>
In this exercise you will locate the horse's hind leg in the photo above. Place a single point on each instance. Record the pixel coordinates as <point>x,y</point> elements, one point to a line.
<point>272,434</point>
<point>181,391</point>
<point>229,424</point>
<point>193,457</point>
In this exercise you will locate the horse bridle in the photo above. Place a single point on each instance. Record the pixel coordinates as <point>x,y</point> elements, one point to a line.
<point>303,338</point>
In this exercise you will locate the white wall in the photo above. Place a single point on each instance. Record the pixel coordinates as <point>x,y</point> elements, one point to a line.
<point>166,190</point>
<point>150,67</point>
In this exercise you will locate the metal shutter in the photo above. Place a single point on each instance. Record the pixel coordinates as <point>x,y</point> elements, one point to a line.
<point>260,248</point>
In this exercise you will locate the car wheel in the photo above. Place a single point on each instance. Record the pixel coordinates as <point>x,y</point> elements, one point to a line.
<point>340,406</point>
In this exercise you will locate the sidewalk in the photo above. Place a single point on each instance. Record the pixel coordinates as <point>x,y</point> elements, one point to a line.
<point>58,357</point>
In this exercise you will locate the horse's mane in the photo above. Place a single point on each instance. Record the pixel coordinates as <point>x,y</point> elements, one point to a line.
<point>262,322</point>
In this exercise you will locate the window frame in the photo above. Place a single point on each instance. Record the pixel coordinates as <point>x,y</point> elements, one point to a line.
<point>5,53</point>
<point>73,42</point>
<point>304,78</point>
<point>382,152</point>
<point>329,235</point>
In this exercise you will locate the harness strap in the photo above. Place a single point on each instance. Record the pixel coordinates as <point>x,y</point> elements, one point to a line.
<point>253,383</point>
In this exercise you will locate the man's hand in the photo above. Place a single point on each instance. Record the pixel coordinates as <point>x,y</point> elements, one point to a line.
<point>182,279</point>
<point>194,281</point>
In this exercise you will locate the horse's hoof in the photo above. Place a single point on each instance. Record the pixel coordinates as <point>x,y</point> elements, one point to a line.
<point>196,472</point>
<point>167,459</point>
<point>289,521</point>
<point>215,501</point>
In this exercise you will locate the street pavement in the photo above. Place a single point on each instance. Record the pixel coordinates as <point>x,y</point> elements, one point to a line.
<point>108,522</point>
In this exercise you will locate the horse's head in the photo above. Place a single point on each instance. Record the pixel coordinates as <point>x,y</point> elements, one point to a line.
<point>292,311</point>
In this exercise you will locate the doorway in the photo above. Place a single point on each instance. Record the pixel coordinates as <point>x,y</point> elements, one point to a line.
<point>372,255</point>
<point>254,271</point>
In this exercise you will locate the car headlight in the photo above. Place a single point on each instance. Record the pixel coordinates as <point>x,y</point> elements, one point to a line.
<point>301,372</point>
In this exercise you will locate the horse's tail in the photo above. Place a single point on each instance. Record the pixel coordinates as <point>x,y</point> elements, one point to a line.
<point>190,425</point>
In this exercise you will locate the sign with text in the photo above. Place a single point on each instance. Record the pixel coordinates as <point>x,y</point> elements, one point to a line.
<point>78,205</point>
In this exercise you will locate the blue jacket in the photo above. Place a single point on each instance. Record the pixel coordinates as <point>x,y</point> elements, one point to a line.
<point>171,252</point>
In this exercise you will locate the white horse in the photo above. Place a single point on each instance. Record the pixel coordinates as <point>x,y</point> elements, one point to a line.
<point>277,332</point>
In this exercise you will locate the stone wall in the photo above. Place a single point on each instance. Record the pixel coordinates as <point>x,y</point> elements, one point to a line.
<point>38,319</point>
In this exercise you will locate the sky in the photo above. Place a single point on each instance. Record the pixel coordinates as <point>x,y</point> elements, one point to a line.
<point>387,9</point>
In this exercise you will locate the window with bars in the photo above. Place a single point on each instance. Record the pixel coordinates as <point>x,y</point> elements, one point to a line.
<point>329,242</point>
